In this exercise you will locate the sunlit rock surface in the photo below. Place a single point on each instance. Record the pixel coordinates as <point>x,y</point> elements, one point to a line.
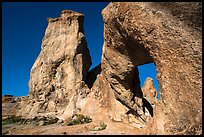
<point>168,34</point>
<point>57,78</point>
<point>135,33</point>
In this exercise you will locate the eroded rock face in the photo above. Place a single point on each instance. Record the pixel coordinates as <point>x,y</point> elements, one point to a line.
<point>57,77</point>
<point>168,34</point>
<point>149,91</point>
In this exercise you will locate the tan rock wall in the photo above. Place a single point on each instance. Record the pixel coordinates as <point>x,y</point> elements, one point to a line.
<point>168,34</point>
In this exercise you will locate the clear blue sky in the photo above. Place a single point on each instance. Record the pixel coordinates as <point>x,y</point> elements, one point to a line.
<point>23,28</point>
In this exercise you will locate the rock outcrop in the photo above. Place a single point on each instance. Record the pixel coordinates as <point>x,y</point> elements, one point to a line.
<point>135,33</point>
<point>149,91</point>
<point>8,106</point>
<point>168,34</point>
<point>57,78</point>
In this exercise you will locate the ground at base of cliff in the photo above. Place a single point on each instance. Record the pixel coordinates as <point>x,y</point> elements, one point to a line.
<point>112,128</point>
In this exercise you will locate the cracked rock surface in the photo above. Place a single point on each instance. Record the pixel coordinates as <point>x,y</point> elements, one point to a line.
<point>57,76</point>
<point>168,34</point>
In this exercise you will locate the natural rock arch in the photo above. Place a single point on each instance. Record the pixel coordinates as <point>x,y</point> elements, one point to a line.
<point>173,42</point>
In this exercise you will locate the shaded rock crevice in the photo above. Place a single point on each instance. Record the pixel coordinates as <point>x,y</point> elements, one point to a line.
<point>92,75</point>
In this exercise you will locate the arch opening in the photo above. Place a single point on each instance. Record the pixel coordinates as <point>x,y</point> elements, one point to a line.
<point>149,71</point>
<point>145,85</point>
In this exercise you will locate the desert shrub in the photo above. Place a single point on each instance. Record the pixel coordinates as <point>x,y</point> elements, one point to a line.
<point>101,127</point>
<point>12,119</point>
<point>17,119</point>
<point>79,119</point>
<point>45,120</point>
<point>51,121</point>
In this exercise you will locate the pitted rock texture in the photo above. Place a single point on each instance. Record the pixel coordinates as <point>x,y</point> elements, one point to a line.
<point>57,78</point>
<point>168,34</point>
